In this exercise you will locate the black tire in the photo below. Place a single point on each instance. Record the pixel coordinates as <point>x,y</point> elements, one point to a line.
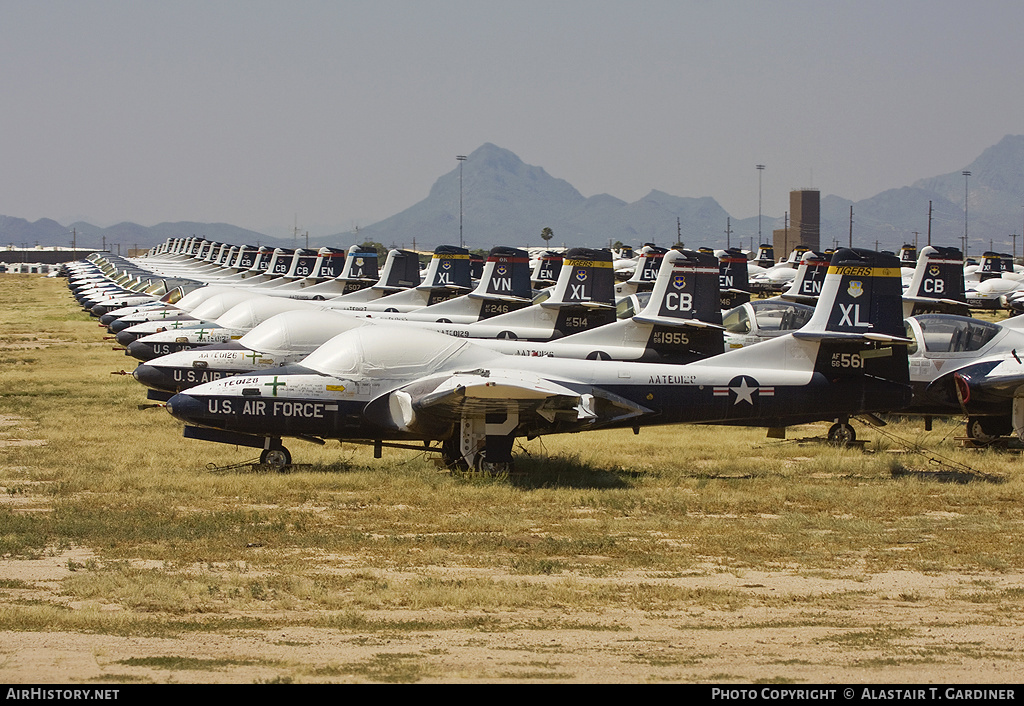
<point>840,434</point>
<point>276,456</point>
<point>985,430</point>
<point>452,457</point>
<point>499,469</point>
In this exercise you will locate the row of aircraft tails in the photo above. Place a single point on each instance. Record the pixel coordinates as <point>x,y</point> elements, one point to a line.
<point>326,344</point>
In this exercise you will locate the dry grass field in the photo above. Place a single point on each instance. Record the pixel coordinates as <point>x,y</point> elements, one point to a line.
<point>129,554</point>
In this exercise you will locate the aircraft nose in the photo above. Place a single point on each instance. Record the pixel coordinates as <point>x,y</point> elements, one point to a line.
<point>184,407</point>
<point>124,337</point>
<point>120,325</point>
<point>154,376</point>
<point>139,350</point>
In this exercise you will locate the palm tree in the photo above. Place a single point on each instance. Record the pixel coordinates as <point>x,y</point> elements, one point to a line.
<point>547,234</point>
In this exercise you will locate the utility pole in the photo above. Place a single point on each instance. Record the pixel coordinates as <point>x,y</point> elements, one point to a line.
<point>461,158</point>
<point>851,226</point>
<point>760,171</point>
<point>728,231</point>
<point>1014,236</point>
<point>929,222</point>
<point>966,175</point>
<point>916,233</point>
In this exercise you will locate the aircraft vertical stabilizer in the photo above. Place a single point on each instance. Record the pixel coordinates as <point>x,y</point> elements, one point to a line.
<point>733,278</point>
<point>938,284</point>
<point>858,319</point>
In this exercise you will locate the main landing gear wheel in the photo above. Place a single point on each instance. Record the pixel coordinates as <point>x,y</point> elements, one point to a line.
<point>277,457</point>
<point>499,469</point>
<point>841,434</point>
<point>985,430</point>
<point>451,456</point>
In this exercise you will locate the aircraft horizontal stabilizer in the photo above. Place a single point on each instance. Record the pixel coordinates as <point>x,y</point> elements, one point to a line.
<point>670,321</point>
<point>844,336</point>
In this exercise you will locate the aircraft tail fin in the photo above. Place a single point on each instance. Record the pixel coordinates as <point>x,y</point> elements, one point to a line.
<point>858,319</point>
<point>448,268</point>
<point>585,293</point>
<point>360,265</point>
<point>545,274</point>
<point>329,263</point>
<point>810,275</point>
<point>765,255</point>
<point>860,298</point>
<point>684,309</point>
<point>646,272</point>
<point>938,283</point>
<point>586,280</point>
<point>991,265</point>
<point>401,271</point>
<point>685,292</point>
<point>505,284</point>
<point>733,279</point>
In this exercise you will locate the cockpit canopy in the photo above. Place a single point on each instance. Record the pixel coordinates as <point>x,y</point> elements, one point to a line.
<point>770,316</point>
<point>628,307</point>
<point>942,333</point>
<point>384,351</point>
<point>298,331</point>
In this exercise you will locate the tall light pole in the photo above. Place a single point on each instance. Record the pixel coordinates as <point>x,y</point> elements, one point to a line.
<point>461,158</point>
<point>966,175</point>
<point>760,171</point>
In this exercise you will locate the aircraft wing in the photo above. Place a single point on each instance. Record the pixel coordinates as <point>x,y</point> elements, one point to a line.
<point>544,404</point>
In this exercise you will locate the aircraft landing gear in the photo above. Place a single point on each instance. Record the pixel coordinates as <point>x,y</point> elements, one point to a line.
<point>985,430</point>
<point>276,456</point>
<point>451,457</point>
<point>483,444</point>
<point>841,434</point>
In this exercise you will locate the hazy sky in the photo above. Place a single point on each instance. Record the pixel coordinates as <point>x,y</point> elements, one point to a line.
<point>344,112</point>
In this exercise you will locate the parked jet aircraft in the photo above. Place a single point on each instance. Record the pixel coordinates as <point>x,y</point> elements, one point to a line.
<point>282,339</point>
<point>231,325</point>
<point>960,365</point>
<point>399,383</point>
<point>680,323</point>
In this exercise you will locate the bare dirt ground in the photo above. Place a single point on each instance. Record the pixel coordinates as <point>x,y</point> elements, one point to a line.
<point>849,637</point>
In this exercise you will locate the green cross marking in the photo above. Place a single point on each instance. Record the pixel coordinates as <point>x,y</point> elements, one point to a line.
<point>254,355</point>
<point>164,314</point>
<point>200,333</point>
<point>274,385</point>
<point>176,324</point>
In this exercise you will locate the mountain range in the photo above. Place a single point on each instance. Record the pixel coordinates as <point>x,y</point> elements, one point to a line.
<point>508,202</point>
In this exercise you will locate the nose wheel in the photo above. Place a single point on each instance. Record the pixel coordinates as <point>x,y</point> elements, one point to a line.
<point>841,434</point>
<point>276,456</point>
